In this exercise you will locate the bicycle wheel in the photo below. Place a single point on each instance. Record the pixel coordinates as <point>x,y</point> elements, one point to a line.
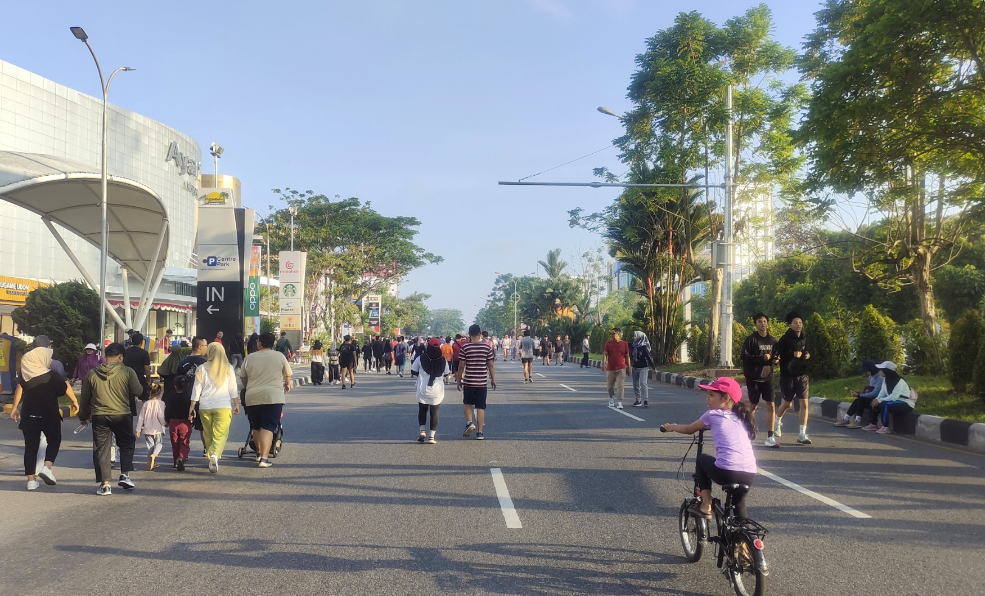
<point>747,579</point>
<point>690,530</point>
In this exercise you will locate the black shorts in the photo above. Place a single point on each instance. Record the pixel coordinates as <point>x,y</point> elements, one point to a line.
<point>475,396</point>
<point>795,387</point>
<point>264,416</point>
<point>526,360</point>
<point>760,389</point>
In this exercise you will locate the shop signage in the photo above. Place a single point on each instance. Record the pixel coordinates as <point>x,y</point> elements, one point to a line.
<point>14,290</point>
<point>292,265</point>
<point>252,292</point>
<point>185,165</point>
<point>225,236</point>
<point>371,306</point>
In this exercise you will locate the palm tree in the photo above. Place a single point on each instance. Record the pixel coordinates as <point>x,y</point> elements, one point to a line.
<point>554,266</point>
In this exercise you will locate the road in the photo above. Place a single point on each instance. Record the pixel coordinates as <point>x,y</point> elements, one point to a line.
<point>354,505</point>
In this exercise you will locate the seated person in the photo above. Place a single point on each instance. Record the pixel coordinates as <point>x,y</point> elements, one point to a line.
<point>894,398</point>
<point>863,399</point>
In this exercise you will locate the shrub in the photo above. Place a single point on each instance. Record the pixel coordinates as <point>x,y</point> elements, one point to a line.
<point>823,363</point>
<point>966,337</point>
<point>597,339</point>
<point>978,376</point>
<point>925,355</point>
<point>697,338</point>
<point>739,335</point>
<point>841,347</point>
<point>876,338</point>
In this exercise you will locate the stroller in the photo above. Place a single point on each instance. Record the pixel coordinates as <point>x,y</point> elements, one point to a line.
<point>251,446</point>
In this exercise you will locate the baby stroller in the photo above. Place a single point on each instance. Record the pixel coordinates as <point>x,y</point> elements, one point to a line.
<point>250,446</point>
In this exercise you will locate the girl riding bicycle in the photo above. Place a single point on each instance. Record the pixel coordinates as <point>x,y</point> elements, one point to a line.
<point>732,428</point>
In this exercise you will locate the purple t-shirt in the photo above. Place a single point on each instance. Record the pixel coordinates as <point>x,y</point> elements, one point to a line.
<point>733,449</point>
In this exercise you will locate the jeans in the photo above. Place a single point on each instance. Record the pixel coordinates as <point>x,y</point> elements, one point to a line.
<point>707,471</point>
<point>104,429</point>
<point>181,435</point>
<point>236,361</point>
<point>215,427</point>
<point>33,428</point>
<point>615,383</point>
<point>641,377</point>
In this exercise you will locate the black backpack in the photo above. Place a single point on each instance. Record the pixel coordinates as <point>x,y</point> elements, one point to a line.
<point>186,381</point>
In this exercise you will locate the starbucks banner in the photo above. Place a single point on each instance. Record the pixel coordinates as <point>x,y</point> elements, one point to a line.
<point>292,293</point>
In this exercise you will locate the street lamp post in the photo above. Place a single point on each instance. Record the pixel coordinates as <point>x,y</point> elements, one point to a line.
<point>294,211</point>
<point>516,300</point>
<point>80,34</point>
<point>216,152</point>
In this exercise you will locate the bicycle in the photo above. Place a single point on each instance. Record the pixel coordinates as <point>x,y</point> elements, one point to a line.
<point>739,541</point>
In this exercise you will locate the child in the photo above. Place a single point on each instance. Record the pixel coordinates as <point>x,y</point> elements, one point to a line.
<point>732,430</point>
<point>151,421</point>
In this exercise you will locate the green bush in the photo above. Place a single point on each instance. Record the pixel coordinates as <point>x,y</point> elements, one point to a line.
<point>597,339</point>
<point>925,356</point>
<point>978,376</point>
<point>824,362</point>
<point>966,336</point>
<point>876,338</point>
<point>841,348</point>
<point>697,337</point>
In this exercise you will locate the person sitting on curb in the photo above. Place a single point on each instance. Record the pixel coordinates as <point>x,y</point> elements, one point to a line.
<point>863,399</point>
<point>894,398</point>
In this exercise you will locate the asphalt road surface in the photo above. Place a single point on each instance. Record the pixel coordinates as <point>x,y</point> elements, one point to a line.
<point>354,505</point>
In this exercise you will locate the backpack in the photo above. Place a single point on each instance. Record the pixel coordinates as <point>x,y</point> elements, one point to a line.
<point>187,380</point>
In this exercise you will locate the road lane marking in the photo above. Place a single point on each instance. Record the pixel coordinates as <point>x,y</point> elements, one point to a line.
<point>505,502</point>
<point>625,413</point>
<point>540,375</point>
<point>568,388</point>
<point>814,495</point>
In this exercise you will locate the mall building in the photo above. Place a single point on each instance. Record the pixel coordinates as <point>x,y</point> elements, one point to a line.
<point>50,144</point>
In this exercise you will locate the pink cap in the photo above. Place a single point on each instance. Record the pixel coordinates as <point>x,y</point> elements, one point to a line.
<point>727,386</point>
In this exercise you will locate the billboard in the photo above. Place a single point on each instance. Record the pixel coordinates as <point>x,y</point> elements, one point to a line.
<point>371,306</point>
<point>251,294</point>
<point>292,292</point>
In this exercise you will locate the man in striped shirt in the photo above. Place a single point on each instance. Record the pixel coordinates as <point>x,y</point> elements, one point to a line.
<point>475,370</point>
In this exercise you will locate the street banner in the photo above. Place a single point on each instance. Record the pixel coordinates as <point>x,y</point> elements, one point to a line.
<point>371,306</point>
<point>252,292</point>
<point>292,293</point>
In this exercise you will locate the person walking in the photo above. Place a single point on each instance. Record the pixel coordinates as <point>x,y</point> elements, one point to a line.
<point>284,346</point>
<point>107,402</point>
<point>567,348</point>
<point>585,348</point>
<point>558,351</point>
<point>178,405</point>
<point>448,351</point>
<point>151,422</point>
<point>266,377</point>
<point>400,355</point>
<point>475,372</point>
<point>378,354</point>
<point>368,355</point>
<point>545,350</point>
<point>89,360</point>
<point>317,356</point>
<point>794,383</point>
<point>615,359</point>
<point>234,351</point>
<point>758,359</point>
<point>642,364</point>
<point>252,344</point>
<point>348,358</point>
<point>217,397</point>
<point>35,408</point>
<point>333,365</point>
<point>218,339</point>
<point>505,344</point>
<point>527,349</point>
<point>137,358</point>
<point>431,366</point>
<point>387,355</point>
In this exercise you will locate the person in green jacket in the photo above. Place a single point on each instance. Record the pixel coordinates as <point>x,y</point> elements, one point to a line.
<point>108,403</point>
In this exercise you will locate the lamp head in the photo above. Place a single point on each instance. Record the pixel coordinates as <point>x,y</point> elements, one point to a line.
<point>216,150</point>
<point>607,111</point>
<point>292,210</point>
<point>79,33</point>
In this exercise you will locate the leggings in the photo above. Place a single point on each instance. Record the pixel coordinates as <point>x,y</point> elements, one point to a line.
<point>892,407</point>
<point>422,415</point>
<point>860,405</point>
<point>154,443</point>
<point>52,430</point>
<point>708,472</point>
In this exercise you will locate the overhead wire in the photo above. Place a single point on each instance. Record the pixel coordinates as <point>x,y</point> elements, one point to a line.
<point>609,146</point>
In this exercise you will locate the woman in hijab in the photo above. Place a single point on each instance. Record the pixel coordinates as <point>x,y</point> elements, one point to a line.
<point>863,399</point>
<point>430,366</point>
<point>215,390</point>
<point>894,398</point>
<point>37,395</point>
<point>90,360</point>
<point>317,355</point>
<point>642,361</point>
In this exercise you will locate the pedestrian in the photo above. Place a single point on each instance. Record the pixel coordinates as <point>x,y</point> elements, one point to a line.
<point>266,377</point>
<point>527,350</point>
<point>35,408</point>
<point>368,355</point>
<point>284,346</point>
<point>234,351</point>
<point>107,403</point>
<point>558,351</point>
<point>348,358</point>
<point>151,422</point>
<point>430,366</point>
<point>252,344</point>
<point>89,360</point>
<point>137,358</point>
<point>333,365</point>
<point>475,372</point>
<point>585,348</point>
<point>895,397</point>
<point>218,338</point>
<point>545,350</point>
<point>864,398</point>
<point>615,359</point>
<point>317,356</point>
<point>448,351</point>
<point>378,354</point>
<point>567,348</point>
<point>758,360</point>
<point>387,354</point>
<point>642,364</point>
<point>536,348</point>
<point>178,405</point>
<point>166,342</point>
<point>400,355</point>
<point>217,397</point>
<point>794,383</point>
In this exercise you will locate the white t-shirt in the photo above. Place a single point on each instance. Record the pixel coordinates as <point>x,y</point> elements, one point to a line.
<point>432,395</point>
<point>211,396</point>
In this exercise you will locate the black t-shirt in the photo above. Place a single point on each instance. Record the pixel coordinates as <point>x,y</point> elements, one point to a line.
<point>176,408</point>
<point>346,355</point>
<point>137,358</point>
<point>39,400</point>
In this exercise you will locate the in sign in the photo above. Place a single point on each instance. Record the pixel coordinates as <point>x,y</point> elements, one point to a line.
<point>214,294</point>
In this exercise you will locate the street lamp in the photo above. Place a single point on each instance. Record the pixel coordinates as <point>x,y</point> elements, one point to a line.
<point>516,299</point>
<point>216,152</point>
<point>294,211</point>
<point>80,34</point>
<point>607,111</point>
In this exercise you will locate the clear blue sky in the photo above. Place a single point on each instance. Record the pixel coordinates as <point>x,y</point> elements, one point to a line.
<point>417,106</point>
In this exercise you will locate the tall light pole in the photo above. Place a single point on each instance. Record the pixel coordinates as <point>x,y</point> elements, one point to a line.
<point>516,299</point>
<point>80,34</point>
<point>294,211</point>
<point>216,152</point>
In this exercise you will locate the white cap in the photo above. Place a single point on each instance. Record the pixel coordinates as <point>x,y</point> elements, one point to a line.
<point>91,347</point>
<point>887,364</point>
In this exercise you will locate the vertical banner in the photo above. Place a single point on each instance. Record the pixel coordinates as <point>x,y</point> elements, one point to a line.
<point>252,293</point>
<point>371,306</point>
<point>292,294</point>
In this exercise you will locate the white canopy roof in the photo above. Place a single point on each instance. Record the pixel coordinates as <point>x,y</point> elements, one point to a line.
<point>68,193</point>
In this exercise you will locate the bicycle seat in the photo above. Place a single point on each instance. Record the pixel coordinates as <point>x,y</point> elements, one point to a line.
<point>735,488</point>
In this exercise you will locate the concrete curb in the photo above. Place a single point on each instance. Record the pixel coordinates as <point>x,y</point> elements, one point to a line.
<point>934,429</point>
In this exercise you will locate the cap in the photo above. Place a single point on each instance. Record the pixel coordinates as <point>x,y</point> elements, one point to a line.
<point>90,347</point>
<point>887,364</point>
<point>726,385</point>
<point>474,330</point>
<point>434,341</point>
<point>42,341</point>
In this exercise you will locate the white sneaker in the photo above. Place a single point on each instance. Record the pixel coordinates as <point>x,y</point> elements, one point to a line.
<point>46,475</point>
<point>32,485</point>
<point>771,442</point>
<point>777,429</point>
<point>213,464</point>
<point>104,490</point>
<point>619,406</point>
<point>612,402</point>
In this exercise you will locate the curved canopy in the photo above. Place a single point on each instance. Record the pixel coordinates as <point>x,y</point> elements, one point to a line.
<point>69,193</point>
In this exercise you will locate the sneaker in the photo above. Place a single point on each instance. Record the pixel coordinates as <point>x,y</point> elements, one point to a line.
<point>855,424</point>
<point>343,385</point>
<point>619,406</point>
<point>479,436</point>
<point>213,464</point>
<point>32,485</point>
<point>432,440</point>
<point>884,430</point>
<point>803,439</point>
<point>264,463</point>
<point>871,427</point>
<point>469,429</point>
<point>777,429</point>
<point>180,463</point>
<point>646,404</point>
<point>612,402</point>
<point>46,475</point>
<point>125,482</point>
<point>637,404</point>
<point>104,490</point>
<point>843,422</point>
<point>422,437</point>
<point>771,442</point>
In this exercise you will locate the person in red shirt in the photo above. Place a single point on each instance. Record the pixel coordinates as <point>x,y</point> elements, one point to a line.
<point>616,363</point>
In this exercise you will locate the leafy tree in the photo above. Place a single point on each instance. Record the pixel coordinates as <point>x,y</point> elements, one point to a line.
<point>446,321</point>
<point>554,266</point>
<point>409,314</point>
<point>876,338</point>
<point>68,313</point>
<point>959,289</point>
<point>966,336</point>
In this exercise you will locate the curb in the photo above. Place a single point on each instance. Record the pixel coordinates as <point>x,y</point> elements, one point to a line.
<point>934,429</point>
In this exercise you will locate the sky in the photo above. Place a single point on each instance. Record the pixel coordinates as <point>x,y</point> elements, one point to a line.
<point>417,106</point>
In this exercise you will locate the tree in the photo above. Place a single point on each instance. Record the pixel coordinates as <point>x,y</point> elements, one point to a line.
<point>966,336</point>
<point>554,266</point>
<point>409,314</point>
<point>68,313</point>
<point>446,321</point>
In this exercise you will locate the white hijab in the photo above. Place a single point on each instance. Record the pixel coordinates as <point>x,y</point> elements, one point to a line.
<point>35,363</point>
